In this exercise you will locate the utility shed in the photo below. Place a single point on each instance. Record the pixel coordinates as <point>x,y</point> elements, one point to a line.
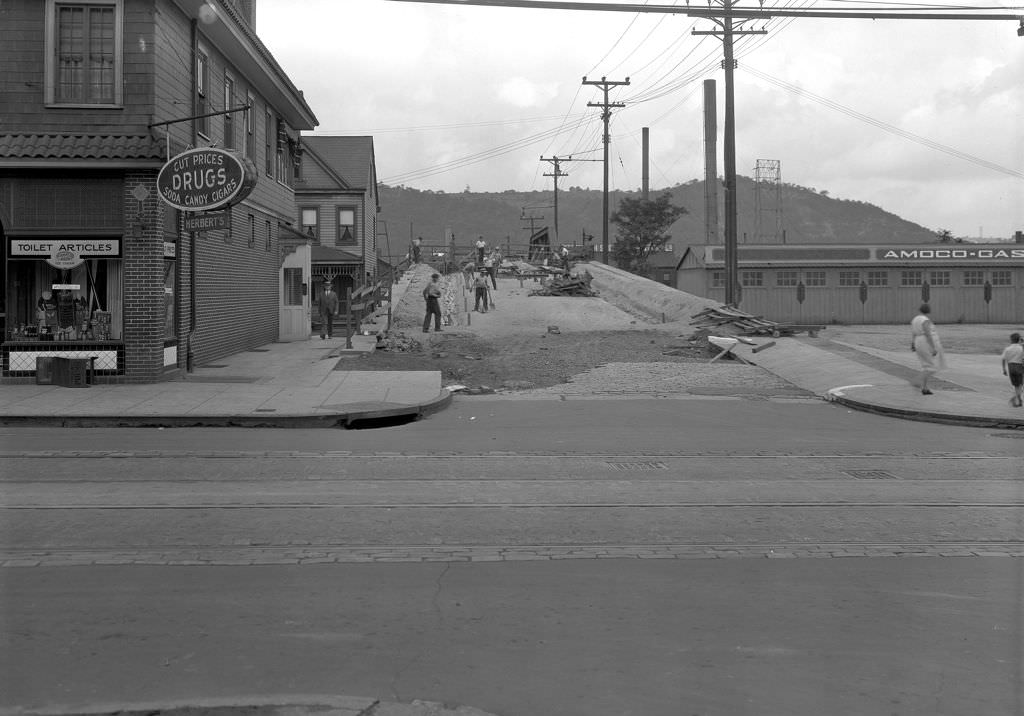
<point>806,283</point>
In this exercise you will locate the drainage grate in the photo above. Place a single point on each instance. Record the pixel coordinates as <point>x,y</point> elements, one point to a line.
<point>870,474</point>
<point>637,465</point>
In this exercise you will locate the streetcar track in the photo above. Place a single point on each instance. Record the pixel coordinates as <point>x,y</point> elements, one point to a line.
<point>518,505</point>
<point>291,455</point>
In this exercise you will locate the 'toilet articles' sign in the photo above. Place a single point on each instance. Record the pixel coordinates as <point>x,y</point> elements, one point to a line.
<point>206,178</point>
<point>65,254</point>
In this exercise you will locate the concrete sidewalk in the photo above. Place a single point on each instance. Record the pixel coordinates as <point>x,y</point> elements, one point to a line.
<point>971,391</point>
<point>277,385</point>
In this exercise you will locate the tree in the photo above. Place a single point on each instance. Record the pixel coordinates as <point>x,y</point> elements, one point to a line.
<point>945,236</point>
<point>641,226</point>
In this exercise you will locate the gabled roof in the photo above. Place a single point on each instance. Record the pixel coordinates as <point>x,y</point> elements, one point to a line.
<point>107,148</point>
<point>349,160</point>
<point>664,259</point>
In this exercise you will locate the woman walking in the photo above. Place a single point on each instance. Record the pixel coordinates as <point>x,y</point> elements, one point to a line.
<point>927,346</point>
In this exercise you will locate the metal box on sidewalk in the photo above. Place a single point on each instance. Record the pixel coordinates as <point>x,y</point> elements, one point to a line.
<point>71,372</point>
<point>44,370</point>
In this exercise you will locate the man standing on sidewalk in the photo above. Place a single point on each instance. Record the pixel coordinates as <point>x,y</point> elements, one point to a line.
<point>432,295</point>
<point>328,310</point>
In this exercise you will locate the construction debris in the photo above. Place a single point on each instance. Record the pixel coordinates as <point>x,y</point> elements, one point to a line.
<point>714,319</point>
<point>576,285</point>
<point>397,342</point>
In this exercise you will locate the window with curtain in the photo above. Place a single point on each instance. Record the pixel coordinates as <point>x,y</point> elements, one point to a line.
<point>346,226</point>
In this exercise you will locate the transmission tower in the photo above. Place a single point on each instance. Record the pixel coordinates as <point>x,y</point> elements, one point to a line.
<point>768,201</point>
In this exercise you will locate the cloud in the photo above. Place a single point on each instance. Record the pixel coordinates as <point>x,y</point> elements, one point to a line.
<point>523,93</point>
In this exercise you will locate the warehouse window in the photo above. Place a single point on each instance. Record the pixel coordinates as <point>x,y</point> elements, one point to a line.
<point>787,278</point>
<point>911,278</point>
<point>752,278</point>
<point>1002,278</point>
<point>718,279</point>
<point>252,231</point>
<point>974,278</point>
<point>849,278</point>
<point>814,278</point>
<point>938,278</point>
<point>878,278</point>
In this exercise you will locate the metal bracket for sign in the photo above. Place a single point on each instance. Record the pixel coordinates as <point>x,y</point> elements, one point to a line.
<point>243,108</point>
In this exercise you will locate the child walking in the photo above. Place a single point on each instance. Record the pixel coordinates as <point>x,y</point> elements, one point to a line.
<point>1013,366</point>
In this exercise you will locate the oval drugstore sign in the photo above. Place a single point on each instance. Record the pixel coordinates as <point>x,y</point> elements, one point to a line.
<point>207,178</point>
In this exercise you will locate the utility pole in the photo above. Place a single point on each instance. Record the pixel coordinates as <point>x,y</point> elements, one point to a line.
<point>606,115</point>
<point>531,219</point>
<point>556,173</point>
<point>729,151</point>
<point>724,17</point>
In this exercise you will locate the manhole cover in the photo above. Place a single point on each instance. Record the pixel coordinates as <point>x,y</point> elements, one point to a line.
<point>636,465</point>
<point>870,474</point>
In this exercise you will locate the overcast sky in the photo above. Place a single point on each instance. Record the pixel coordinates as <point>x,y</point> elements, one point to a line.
<point>922,118</point>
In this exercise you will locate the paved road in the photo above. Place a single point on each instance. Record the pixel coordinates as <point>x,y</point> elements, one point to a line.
<point>526,557</point>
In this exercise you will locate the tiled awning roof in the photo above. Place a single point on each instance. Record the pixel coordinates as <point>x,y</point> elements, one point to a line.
<point>82,147</point>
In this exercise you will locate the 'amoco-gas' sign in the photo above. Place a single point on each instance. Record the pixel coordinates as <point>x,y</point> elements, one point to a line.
<point>206,178</point>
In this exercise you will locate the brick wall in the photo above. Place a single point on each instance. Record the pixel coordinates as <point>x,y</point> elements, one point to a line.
<point>143,280</point>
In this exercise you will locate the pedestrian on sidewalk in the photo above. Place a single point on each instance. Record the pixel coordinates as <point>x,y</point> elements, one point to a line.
<point>432,295</point>
<point>1013,366</point>
<point>480,292</point>
<point>417,247</point>
<point>328,310</point>
<point>925,343</point>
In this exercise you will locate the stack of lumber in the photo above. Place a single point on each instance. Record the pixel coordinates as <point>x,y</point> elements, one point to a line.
<point>716,318</point>
<point>578,285</point>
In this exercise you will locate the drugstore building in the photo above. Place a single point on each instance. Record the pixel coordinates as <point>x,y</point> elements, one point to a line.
<point>95,264</point>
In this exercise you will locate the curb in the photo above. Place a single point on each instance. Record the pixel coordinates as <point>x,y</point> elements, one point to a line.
<point>283,705</point>
<point>971,421</point>
<point>331,420</point>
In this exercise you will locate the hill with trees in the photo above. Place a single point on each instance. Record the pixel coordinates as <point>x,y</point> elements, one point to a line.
<point>806,216</point>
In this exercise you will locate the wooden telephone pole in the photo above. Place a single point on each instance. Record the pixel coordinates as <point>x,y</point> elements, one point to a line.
<point>606,114</point>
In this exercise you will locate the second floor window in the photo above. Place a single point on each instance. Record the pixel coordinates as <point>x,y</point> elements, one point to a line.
<point>311,222</point>
<point>229,118</point>
<point>346,226</point>
<point>84,54</point>
<point>250,126</point>
<point>202,92</point>
<point>268,143</point>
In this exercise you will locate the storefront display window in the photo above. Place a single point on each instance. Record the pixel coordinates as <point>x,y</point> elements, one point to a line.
<point>47,304</point>
<point>170,311</point>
